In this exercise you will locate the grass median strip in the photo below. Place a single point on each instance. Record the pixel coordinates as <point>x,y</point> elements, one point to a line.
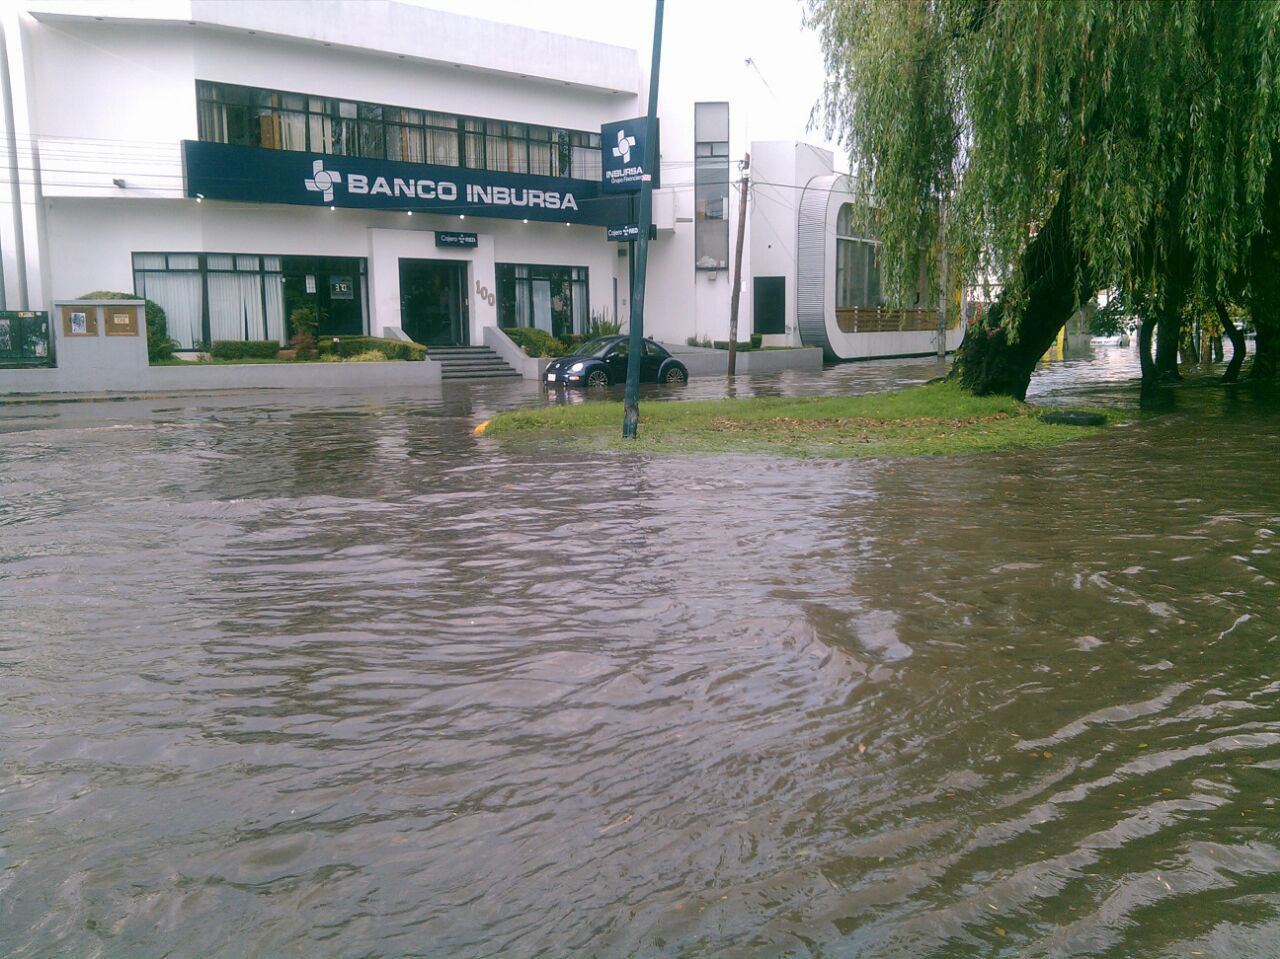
<point>935,419</point>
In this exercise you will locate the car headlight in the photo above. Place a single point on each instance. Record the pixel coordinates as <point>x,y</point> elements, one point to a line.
<point>577,367</point>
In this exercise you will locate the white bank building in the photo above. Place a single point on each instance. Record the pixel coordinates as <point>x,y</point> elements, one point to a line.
<point>401,170</point>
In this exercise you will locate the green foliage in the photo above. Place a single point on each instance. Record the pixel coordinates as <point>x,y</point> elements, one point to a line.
<point>351,346</point>
<point>244,349</point>
<point>702,341</point>
<point>600,326</point>
<point>160,345</point>
<point>936,419</point>
<point>1160,117</point>
<point>304,346</point>
<point>536,342</point>
<point>1123,307</point>
<point>742,347</point>
<point>757,340</point>
<point>304,322</point>
<point>368,356</point>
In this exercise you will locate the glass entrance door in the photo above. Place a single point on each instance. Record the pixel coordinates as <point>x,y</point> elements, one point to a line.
<point>433,303</point>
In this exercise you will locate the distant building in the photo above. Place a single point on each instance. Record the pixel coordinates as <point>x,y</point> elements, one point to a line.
<point>390,166</point>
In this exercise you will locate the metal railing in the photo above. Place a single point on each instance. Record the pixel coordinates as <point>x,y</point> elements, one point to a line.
<point>873,319</point>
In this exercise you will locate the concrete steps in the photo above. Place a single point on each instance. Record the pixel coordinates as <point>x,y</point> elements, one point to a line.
<point>470,363</point>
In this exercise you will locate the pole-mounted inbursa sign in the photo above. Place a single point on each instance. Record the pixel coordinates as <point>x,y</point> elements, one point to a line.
<point>622,153</point>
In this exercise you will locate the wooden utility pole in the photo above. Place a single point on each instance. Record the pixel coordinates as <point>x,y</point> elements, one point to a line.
<point>737,265</point>
<point>631,399</point>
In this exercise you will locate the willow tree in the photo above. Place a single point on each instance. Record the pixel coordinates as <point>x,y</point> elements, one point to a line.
<point>1058,147</point>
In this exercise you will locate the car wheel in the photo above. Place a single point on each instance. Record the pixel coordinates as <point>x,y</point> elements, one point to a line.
<point>675,375</point>
<point>597,378</point>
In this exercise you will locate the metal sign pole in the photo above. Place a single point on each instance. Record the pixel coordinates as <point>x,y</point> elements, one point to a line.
<point>631,401</point>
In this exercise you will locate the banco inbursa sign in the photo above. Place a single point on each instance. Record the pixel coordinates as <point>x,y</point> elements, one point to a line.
<point>220,171</point>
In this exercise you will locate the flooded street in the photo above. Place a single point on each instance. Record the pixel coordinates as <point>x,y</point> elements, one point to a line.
<point>325,675</point>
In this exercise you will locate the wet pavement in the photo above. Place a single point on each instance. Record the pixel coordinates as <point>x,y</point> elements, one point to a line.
<point>325,675</point>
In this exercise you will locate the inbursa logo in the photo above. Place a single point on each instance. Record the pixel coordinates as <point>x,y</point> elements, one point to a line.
<point>322,180</point>
<point>623,149</point>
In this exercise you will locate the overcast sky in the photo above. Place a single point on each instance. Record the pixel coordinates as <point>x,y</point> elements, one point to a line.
<point>771,32</point>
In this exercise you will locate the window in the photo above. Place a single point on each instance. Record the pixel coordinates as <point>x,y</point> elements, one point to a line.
<point>550,298</point>
<point>857,265</point>
<point>247,116</point>
<point>711,186</point>
<point>233,296</point>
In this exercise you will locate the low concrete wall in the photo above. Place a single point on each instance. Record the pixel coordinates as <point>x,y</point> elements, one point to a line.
<point>228,376</point>
<point>530,367</point>
<point>118,364</point>
<point>704,362</point>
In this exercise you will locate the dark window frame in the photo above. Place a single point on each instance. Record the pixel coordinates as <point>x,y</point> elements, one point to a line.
<point>506,278</point>
<point>204,269</point>
<point>344,124</point>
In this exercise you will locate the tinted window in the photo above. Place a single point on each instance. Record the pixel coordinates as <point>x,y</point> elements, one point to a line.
<point>653,349</point>
<point>595,347</point>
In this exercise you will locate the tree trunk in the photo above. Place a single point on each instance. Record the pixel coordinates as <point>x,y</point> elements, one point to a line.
<point>1216,348</point>
<point>1266,353</point>
<point>1264,282</point>
<point>989,360</point>
<point>1167,335</point>
<point>1145,332</point>
<point>1236,335</point>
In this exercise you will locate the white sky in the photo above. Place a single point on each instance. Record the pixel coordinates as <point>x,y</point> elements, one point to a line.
<point>722,34</point>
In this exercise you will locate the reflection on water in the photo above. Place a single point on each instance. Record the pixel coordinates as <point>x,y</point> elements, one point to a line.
<point>327,676</point>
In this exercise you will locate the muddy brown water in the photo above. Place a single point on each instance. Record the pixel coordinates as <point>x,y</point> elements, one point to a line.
<point>324,675</point>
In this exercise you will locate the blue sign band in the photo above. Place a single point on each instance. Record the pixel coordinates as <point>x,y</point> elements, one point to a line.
<point>221,171</point>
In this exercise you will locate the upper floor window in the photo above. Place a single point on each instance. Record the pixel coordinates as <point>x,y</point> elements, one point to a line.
<point>247,116</point>
<point>711,185</point>
<point>857,264</point>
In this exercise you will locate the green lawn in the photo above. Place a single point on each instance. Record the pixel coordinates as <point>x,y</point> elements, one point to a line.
<point>936,419</point>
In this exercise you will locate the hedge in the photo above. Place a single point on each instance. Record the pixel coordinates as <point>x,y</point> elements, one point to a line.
<point>244,349</point>
<point>742,347</point>
<point>536,342</point>
<point>346,346</point>
<point>160,345</point>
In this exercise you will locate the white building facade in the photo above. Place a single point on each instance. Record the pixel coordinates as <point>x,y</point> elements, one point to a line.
<point>395,168</point>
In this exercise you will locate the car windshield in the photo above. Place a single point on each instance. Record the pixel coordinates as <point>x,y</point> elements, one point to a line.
<point>595,347</point>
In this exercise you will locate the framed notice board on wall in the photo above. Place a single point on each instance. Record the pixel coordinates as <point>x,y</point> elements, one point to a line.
<point>120,320</point>
<point>79,320</point>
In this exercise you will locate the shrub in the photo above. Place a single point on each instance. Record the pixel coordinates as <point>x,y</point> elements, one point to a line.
<point>160,345</point>
<point>703,341</point>
<point>368,356</point>
<point>599,326</point>
<point>536,342</point>
<point>304,346</point>
<point>304,322</point>
<point>349,346</point>
<point>757,340</point>
<point>742,347</point>
<point>244,349</point>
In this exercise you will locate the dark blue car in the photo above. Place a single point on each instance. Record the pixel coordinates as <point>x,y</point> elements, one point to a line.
<point>603,361</point>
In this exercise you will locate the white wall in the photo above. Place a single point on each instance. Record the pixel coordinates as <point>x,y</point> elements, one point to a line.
<point>81,260</point>
<point>114,99</point>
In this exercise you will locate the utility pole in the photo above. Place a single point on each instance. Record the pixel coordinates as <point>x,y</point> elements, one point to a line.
<point>631,400</point>
<point>737,265</point>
